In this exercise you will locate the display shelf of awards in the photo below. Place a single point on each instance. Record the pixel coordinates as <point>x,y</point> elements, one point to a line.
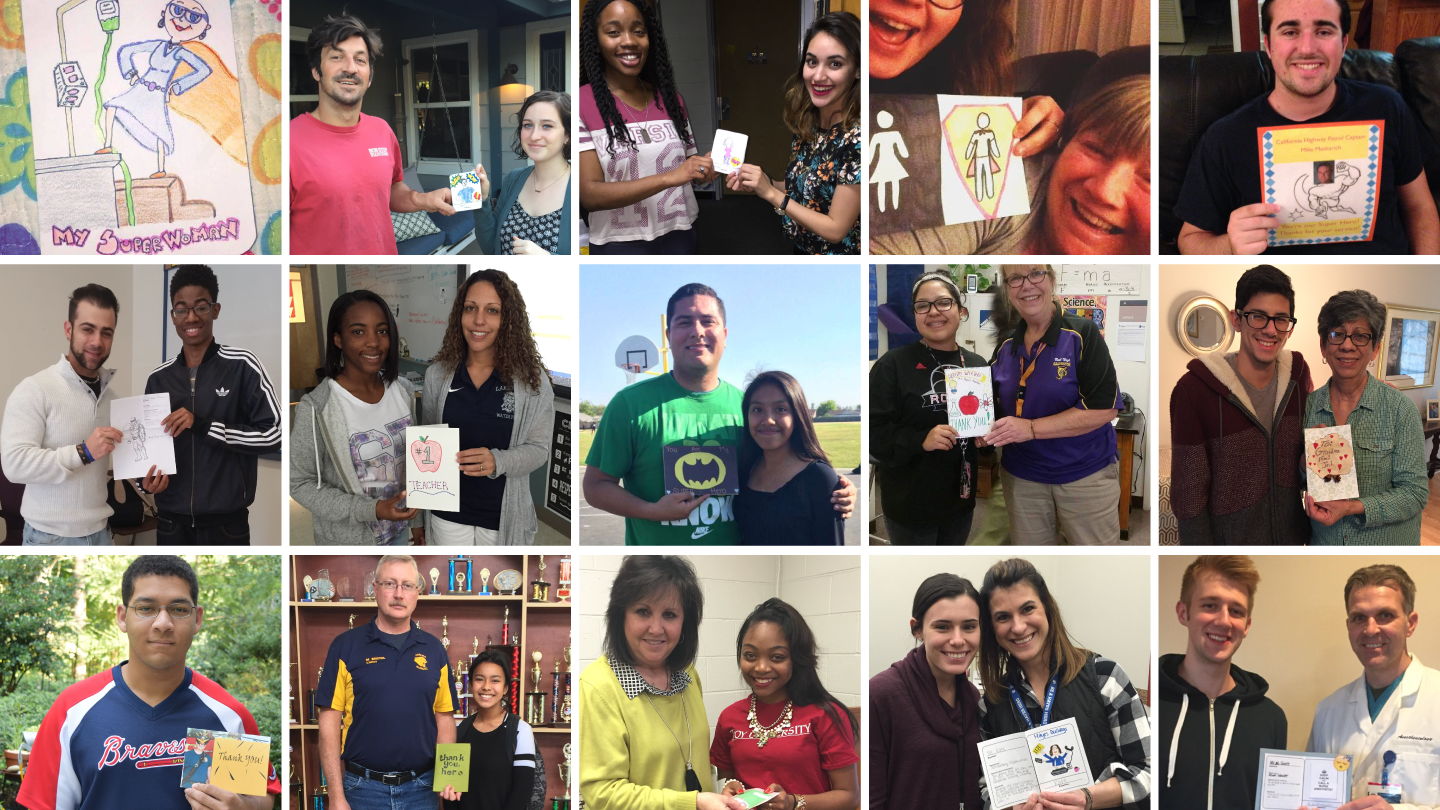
<point>510,603</point>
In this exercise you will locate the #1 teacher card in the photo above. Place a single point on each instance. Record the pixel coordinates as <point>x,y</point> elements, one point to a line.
<point>432,473</point>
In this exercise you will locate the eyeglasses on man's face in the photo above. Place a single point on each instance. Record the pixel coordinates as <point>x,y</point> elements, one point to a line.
<point>1258,320</point>
<point>391,585</point>
<point>178,611</point>
<point>1335,337</point>
<point>181,313</point>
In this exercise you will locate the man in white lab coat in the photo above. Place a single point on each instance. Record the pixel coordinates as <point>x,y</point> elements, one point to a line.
<point>1388,720</point>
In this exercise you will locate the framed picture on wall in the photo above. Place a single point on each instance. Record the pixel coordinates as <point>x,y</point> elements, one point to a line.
<point>1408,347</point>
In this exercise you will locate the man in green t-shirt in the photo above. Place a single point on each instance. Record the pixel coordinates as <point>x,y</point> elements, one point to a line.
<point>691,405</point>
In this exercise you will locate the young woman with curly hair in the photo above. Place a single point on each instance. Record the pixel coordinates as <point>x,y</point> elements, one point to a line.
<point>819,200</point>
<point>637,153</point>
<point>489,381</point>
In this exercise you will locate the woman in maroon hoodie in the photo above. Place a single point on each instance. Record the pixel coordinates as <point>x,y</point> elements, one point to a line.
<point>924,711</point>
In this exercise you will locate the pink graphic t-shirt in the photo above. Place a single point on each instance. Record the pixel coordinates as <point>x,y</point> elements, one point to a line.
<point>657,148</point>
<point>340,179</point>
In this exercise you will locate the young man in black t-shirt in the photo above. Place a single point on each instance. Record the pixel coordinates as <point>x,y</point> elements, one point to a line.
<point>1220,202</point>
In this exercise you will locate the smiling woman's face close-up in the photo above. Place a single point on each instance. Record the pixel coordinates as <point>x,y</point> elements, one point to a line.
<point>1098,202</point>
<point>624,41</point>
<point>652,628</point>
<point>902,32</point>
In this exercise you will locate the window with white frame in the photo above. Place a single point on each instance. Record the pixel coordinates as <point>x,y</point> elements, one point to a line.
<point>443,101</point>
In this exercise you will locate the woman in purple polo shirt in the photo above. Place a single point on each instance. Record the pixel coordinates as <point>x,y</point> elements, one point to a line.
<point>1056,388</point>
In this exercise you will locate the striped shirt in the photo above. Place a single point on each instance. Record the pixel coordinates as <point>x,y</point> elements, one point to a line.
<point>1389,442</point>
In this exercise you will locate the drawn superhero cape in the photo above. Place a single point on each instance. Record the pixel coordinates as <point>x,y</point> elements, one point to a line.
<point>214,104</point>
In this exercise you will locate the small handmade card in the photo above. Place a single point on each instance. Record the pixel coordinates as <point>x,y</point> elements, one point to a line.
<point>241,765</point>
<point>708,469</point>
<point>199,755</point>
<point>1324,177</point>
<point>754,797</point>
<point>968,400</point>
<point>145,442</point>
<point>138,129</point>
<point>452,767</point>
<point>1330,464</point>
<point>432,473</point>
<point>981,179</point>
<point>728,152</point>
<point>465,192</point>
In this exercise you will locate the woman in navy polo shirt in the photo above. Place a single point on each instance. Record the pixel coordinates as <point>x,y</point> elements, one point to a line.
<point>1056,387</point>
<point>489,381</point>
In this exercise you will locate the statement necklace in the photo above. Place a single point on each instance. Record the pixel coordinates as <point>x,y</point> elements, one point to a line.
<point>764,734</point>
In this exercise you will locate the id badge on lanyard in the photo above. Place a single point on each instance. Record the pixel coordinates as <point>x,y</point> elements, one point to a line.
<point>1386,789</point>
<point>1044,712</point>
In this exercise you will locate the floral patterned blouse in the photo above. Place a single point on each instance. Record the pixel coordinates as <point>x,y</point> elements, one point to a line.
<point>816,168</point>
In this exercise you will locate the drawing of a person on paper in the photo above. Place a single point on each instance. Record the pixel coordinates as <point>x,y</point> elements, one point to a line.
<point>982,152</point>
<point>1056,758</point>
<point>1321,199</point>
<point>137,439</point>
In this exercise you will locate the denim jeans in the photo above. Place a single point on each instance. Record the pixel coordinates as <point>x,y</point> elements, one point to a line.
<point>32,536</point>
<point>371,794</point>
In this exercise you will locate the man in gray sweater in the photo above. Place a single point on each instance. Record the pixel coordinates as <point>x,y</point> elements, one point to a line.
<point>57,425</point>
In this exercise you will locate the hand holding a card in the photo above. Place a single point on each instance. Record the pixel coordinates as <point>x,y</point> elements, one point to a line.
<point>695,169</point>
<point>1329,512</point>
<point>388,509</point>
<point>1008,430</point>
<point>102,441</point>
<point>1039,126</point>
<point>940,437</point>
<point>210,797</point>
<point>155,481</point>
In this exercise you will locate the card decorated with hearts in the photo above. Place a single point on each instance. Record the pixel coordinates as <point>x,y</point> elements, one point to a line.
<point>432,474</point>
<point>1330,464</point>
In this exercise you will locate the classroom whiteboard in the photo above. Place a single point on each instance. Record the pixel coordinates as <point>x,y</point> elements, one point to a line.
<point>251,312</point>
<point>420,296</point>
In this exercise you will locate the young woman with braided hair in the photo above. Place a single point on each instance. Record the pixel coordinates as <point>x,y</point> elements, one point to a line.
<point>637,153</point>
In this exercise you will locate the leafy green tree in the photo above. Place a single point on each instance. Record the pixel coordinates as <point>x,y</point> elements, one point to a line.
<point>37,601</point>
<point>825,407</point>
<point>591,409</point>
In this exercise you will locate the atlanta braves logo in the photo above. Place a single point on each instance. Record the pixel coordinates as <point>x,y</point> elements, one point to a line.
<point>150,755</point>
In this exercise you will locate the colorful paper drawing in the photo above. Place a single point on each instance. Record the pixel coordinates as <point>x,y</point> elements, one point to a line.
<point>703,469</point>
<point>729,151</point>
<point>1087,306</point>
<point>139,136</point>
<point>199,754</point>
<point>432,472</point>
<point>1330,464</point>
<point>887,149</point>
<point>465,192</point>
<point>969,401</point>
<point>241,763</point>
<point>980,179</point>
<point>1324,177</point>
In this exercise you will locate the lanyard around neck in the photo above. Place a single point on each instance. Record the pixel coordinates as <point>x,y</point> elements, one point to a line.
<point>1044,712</point>
<point>692,782</point>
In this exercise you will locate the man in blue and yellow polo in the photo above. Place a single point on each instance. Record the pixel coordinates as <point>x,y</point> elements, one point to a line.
<point>385,700</point>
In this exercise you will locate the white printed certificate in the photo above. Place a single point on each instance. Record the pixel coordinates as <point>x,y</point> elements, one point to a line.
<point>1045,758</point>
<point>1291,779</point>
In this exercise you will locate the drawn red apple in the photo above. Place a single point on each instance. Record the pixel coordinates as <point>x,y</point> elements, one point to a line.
<point>426,453</point>
<point>969,404</point>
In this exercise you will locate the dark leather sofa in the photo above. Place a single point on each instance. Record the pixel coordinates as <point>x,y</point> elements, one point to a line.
<point>1196,91</point>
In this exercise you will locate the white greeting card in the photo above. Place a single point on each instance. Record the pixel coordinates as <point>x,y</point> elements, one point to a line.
<point>1330,464</point>
<point>979,177</point>
<point>145,443</point>
<point>465,191</point>
<point>728,153</point>
<point>1046,758</point>
<point>432,473</point>
<point>969,401</point>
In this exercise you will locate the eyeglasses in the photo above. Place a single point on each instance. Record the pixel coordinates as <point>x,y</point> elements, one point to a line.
<point>1337,338</point>
<point>942,304</point>
<point>178,612</point>
<point>1258,320</point>
<point>390,585</point>
<point>1034,277</point>
<point>181,313</point>
<point>184,14</point>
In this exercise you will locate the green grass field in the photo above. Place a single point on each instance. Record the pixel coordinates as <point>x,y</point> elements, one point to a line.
<point>841,441</point>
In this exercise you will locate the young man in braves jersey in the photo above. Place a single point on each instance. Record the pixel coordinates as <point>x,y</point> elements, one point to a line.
<point>224,416</point>
<point>116,740</point>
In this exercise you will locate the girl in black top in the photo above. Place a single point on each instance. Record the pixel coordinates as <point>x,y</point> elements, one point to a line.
<point>927,475</point>
<point>502,746</point>
<point>785,477</point>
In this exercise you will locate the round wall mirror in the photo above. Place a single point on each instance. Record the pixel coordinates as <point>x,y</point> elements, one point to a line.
<point>1204,326</point>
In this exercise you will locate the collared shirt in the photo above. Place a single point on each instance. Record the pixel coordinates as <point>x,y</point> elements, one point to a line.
<point>1071,368</point>
<point>389,698</point>
<point>1389,443</point>
<point>634,683</point>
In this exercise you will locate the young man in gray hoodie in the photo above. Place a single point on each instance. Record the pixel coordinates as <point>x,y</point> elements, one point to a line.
<point>57,426</point>
<point>1214,716</point>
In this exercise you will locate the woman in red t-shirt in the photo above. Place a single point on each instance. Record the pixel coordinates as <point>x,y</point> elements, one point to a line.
<point>788,737</point>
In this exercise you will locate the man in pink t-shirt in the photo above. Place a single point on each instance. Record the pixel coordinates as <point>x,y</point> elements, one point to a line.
<point>346,171</point>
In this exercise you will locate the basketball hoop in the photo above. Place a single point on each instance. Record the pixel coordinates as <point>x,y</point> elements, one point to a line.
<point>631,369</point>
<point>634,355</point>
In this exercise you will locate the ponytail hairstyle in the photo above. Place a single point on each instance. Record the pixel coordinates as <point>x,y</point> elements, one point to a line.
<point>804,687</point>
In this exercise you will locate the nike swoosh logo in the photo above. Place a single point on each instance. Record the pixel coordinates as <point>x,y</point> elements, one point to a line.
<point>453,390</point>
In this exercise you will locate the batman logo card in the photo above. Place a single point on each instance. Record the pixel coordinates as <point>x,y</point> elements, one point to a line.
<point>709,469</point>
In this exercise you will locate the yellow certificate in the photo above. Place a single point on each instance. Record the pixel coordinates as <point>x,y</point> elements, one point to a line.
<point>1325,178</point>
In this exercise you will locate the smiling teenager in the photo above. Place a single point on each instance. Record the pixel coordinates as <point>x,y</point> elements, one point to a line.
<point>363,399</point>
<point>502,746</point>
<point>785,477</point>
<point>822,111</point>
<point>1025,653</point>
<point>532,205</point>
<point>489,381</point>
<point>787,737</point>
<point>637,153</point>
<point>924,711</point>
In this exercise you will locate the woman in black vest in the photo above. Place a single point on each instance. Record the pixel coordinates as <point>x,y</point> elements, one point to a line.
<point>1028,659</point>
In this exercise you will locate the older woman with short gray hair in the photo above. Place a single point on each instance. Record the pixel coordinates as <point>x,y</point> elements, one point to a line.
<point>1385,431</point>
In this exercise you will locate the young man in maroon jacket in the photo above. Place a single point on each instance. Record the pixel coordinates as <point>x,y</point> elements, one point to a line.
<point>1235,427</point>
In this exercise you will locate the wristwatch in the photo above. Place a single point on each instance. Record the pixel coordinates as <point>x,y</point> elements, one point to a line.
<point>799,800</point>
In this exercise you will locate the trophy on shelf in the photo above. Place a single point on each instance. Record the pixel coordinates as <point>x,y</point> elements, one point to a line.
<point>324,588</point>
<point>343,590</point>
<point>535,701</point>
<point>539,588</point>
<point>434,580</point>
<point>565,773</point>
<point>563,592</point>
<point>314,714</point>
<point>309,594</point>
<point>445,633</point>
<point>505,628</point>
<point>485,582</point>
<point>321,793</point>
<point>507,582</point>
<point>474,647</point>
<point>352,621</point>
<point>369,586</point>
<point>462,575</point>
<point>289,699</point>
<point>462,694</point>
<point>565,707</point>
<point>555,718</point>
